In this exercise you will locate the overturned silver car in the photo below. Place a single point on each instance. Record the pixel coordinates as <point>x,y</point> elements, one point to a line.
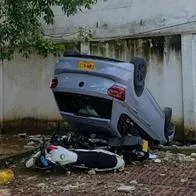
<point>108,97</point>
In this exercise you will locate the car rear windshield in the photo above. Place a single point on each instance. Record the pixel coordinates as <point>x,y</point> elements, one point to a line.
<point>84,105</point>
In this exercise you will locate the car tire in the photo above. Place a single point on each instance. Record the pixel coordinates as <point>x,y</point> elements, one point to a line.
<point>168,115</point>
<point>140,71</point>
<point>126,126</point>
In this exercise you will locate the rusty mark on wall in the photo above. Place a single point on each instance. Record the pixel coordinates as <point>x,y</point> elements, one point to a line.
<point>144,47</point>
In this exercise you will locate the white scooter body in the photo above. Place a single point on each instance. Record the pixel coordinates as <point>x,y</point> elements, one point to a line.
<point>61,156</point>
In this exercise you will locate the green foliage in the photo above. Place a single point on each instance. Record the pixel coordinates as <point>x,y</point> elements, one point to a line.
<point>85,33</point>
<point>21,28</point>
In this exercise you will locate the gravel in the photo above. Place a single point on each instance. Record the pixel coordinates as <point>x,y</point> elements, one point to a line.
<point>140,178</point>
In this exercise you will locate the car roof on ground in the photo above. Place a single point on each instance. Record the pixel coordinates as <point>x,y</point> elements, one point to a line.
<point>94,57</point>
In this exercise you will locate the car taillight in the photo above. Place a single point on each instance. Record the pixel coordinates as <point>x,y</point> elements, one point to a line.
<point>54,83</point>
<point>117,92</point>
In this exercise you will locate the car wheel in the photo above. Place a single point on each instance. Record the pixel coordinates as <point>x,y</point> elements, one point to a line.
<point>126,126</point>
<point>140,71</point>
<point>168,115</point>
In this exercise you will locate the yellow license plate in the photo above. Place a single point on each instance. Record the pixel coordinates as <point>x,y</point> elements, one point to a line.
<point>87,65</point>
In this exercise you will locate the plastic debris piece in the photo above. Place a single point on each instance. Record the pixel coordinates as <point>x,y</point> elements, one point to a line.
<point>6,175</point>
<point>157,160</point>
<point>145,146</point>
<point>152,156</point>
<point>126,189</point>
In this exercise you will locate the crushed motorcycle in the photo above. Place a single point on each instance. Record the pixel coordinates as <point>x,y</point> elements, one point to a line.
<point>51,156</point>
<point>74,150</point>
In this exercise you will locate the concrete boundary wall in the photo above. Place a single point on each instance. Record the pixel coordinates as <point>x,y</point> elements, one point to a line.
<point>189,84</point>
<point>25,92</point>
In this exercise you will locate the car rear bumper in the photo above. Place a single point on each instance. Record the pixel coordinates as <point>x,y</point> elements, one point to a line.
<point>90,123</point>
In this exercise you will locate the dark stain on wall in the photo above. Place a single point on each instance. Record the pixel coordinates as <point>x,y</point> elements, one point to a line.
<point>179,131</point>
<point>157,46</point>
<point>93,47</point>
<point>119,48</point>
<point>145,47</point>
<point>174,42</point>
<point>101,48</point>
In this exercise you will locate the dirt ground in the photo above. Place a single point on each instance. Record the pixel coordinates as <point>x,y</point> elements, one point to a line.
<point>171,174</point>
<point>169,177</point>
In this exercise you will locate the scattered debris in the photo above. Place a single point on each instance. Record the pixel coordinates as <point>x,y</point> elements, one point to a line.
<point>193,155</point>
<point>168,156</point>
<point>41,185</point>
<point>152,156</point>
<point>22,135</point>
<point>29,147</point>
<point>31,143</point>
<point>126,189</point>
<point>183,180</point>
<point>70,187</point>
<point>133,182</point>
<point>179,149</point>
<point>38,140</point>
<point>188,158</point>
<point>176,157</point>
<point>31,178</point>
<point>5,192</point>
<point>68,173</point>
<point>181,157</point>
<point>34,136</point>
<point>157,160</point>
<point>184,158</point>
<point>92,172</point>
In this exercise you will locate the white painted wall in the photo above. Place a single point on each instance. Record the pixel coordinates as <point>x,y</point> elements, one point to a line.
<point>118,18</point>
<point>26,91</point>
<point>189,83</point>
